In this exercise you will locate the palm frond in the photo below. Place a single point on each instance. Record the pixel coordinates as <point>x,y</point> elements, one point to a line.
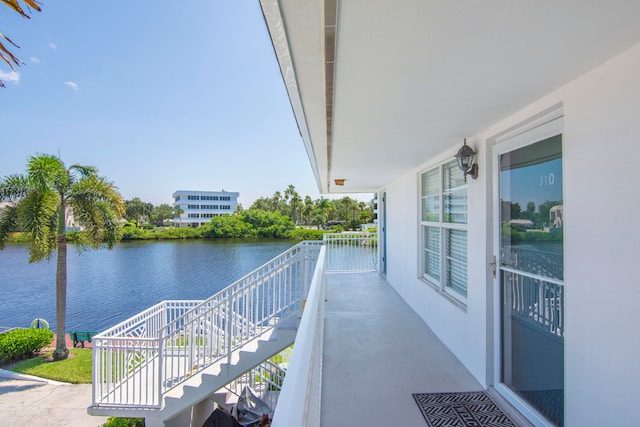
<point>47,172</point>
<point>98,206</point>
<point>4,36</point>
<point>13,187</point>
<point>9,57</point>
<point>38,215</point>
<point>5,54</point>
<point>84,171</point>
<point>33,4</point>
<point>8,223</point>
<point>13,4</point>
<point>98,189</point>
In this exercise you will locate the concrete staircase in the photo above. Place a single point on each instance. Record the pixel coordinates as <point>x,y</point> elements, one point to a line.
<point>206,383</point>
<point>193,400</point>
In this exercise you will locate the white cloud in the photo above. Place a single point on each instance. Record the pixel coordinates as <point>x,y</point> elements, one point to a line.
<point>11,76</point>
<point>73,85</point>
<point>34,60</point>
<point>53,46</point>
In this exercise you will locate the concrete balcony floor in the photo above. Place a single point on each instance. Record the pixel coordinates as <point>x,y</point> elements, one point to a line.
<point>377,352</point>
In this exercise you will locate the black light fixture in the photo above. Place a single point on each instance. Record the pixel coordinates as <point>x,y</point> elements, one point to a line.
<point>466,158</point>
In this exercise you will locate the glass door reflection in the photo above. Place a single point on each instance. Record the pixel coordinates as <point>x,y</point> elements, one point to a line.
<point>532,275</point>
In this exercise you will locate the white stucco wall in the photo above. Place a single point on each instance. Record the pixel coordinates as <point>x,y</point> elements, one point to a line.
<point>602,204</point>
<point>468,340</point>
<point>602,348</point>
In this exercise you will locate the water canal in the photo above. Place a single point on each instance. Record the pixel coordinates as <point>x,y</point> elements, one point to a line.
<point>106,287</point>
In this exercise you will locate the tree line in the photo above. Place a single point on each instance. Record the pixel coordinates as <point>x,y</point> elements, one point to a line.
<point>288,203</point>
<point>309,212</point>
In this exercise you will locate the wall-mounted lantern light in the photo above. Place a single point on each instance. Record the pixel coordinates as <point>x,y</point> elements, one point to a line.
<point>466,158</point>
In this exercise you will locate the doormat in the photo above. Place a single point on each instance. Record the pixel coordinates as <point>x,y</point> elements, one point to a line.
<point>468,409</point>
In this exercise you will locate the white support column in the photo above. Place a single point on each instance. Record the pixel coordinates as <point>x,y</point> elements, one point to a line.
<point>202,411</point>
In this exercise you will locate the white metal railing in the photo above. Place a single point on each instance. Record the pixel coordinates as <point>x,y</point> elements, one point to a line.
<point>300,399</point>
<point>351,252</point>
<point>265,379</point>
<point>536,300</point>
<point>136,362</point>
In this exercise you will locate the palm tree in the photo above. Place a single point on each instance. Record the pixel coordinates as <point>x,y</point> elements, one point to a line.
<point>296,202</point>
<point>38,206</point>
<point>178,211</point>
<point>324,205</point>
<point>277,196</point>
<point>292,196</point>
<point>307,210</point>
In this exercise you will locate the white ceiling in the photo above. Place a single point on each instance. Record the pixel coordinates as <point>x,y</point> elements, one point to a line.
<point>414,77</point>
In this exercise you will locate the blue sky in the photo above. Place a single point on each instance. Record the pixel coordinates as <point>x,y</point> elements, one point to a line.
<point>159,96</point>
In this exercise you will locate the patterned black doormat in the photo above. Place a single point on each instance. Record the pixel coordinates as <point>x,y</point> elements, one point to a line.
<point>472,409</point>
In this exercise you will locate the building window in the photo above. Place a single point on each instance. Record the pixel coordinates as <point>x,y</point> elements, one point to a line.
<point>225,207</point>
<point>177,198</point>
<point>193,206</point>
<point>443,224</point>
<point>227,198</point>
<point>193,215</point>
<point>193,197</point>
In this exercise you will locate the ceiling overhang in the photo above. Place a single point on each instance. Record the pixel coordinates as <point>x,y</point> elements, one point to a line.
<point>379,87</point>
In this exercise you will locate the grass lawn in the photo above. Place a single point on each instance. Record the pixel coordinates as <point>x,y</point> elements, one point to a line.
<point>75,369</point>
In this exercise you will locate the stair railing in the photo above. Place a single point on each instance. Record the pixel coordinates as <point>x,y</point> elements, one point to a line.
<point>265,380</point>
<point>136,362</point>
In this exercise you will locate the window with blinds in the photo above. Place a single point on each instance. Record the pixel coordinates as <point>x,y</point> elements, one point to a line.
<point>443,221</point>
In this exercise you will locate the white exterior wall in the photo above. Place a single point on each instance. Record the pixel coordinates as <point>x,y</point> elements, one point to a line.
<point>185,221</point>
<point>602,202</point>
<point>463,332</point>
<point>603,288</point>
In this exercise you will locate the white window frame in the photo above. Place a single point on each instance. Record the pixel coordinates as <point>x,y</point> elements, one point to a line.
<point>440,284</point>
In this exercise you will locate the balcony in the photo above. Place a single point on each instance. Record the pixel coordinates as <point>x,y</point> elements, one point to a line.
<point>376,352</point>
<point>361,351</point>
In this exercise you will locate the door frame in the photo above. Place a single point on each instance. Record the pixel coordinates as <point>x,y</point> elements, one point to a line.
<point>546,124</point>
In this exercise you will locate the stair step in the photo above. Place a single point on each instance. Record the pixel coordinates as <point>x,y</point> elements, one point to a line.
<point>219,374</point>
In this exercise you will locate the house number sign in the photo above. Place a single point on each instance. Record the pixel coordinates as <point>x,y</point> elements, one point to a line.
<point>547,180</point>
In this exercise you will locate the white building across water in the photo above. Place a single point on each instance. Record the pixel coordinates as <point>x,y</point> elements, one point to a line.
<point>198,207</point>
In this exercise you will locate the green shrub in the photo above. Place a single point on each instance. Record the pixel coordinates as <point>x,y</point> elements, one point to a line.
<point>305,234</point>
<point>124,422</point>
<point>19,238</point>
<point>23,343</point>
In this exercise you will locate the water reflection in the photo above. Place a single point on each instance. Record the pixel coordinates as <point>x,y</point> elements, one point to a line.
<point>107,287</point>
